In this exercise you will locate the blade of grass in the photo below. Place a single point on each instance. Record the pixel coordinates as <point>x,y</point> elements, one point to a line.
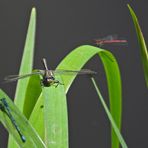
<point>75,61</point>
<point>55,113</point>
<point>122,142</point>
<point>32,138</point>
<point>26,67</point>
<point>142,44</point>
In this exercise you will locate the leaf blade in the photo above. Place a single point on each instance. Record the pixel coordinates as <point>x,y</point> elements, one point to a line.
<point>27,61</point>
<point>37,117</point>
<point>55,115</point>
<point>112,74</point>
<point>78,57</point>
<point>26,67</point>
<point>33,91</point>
<point>142,44</point>
<point>115,128</point>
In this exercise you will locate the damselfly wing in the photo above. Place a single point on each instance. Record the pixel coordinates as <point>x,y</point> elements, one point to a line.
<point>48,76</point>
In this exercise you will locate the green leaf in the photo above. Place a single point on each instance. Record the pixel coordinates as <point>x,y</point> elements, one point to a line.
<point>142,44</point>
<point>32,93</point>
<point>75,61</point>
<point>26,67</point>
<point>31,137</point>
<point>123,144</point>
<point>37,117</point>
<point>27,61</point>
<point>55,115</point>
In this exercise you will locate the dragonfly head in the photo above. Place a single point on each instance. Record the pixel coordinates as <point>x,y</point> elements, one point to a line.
<point>49,81</point>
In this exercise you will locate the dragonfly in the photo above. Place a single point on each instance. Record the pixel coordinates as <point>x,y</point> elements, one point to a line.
<point>4,107</point>
<point>110,39</point>
<point>48,76</point>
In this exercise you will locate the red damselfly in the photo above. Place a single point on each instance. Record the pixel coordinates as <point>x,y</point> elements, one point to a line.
<point>110,39</point>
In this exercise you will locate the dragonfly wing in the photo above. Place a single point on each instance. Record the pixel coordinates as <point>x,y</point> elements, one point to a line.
<point>73,72</point>
<point>12,78</point>
<point>109,37</point>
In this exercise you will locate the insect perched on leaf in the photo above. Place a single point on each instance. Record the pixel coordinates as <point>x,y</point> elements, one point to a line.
<point>110,39</point>
<point>17,124</point>
<point>48,78</point>
<point>4,107</point>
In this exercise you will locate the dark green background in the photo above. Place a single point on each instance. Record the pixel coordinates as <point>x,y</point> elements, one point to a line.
<point>63,25</point>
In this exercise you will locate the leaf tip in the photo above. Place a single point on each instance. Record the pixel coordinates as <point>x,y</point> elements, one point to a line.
<point>128,5</point>
<point>130,8</point>
<point>33,11</point>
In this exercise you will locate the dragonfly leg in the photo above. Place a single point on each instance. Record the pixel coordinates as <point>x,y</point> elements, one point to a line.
<point>57,83</point>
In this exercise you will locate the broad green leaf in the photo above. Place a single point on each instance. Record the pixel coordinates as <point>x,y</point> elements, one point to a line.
<point>55,115</point>
<point>33,107</point>
<point>76,60</point>
<point>123,144</point>
<point>31,137</point>
<point>142,44</point>
<point>32,93</point>
<point>27,61</point>
<point>26,67</point>
<point>37,117</point>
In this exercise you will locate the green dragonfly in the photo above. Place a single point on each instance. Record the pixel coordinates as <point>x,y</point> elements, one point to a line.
<point>48,78</point>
